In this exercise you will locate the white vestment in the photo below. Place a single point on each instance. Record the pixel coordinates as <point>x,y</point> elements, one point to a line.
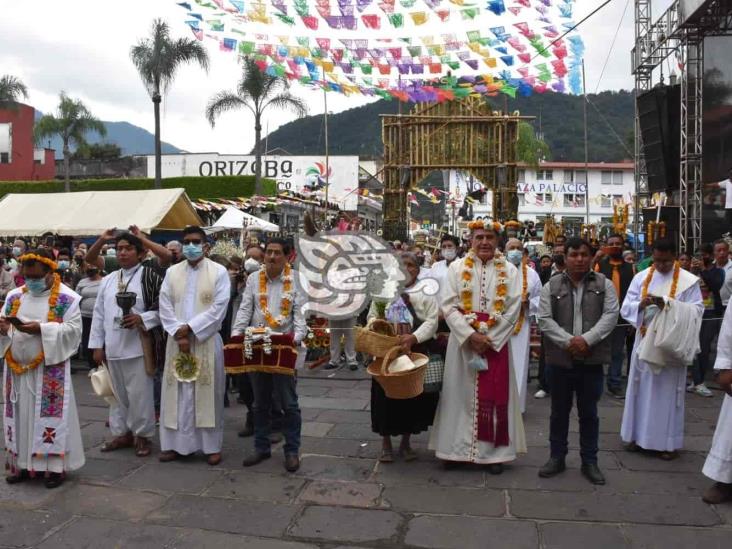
<point>653,417</point>
<point>42,430</point>
<point>187,438</point>
<point>718,465</point>
<point>519,343</point>
<point>133,409</point>
<point>454,436</point>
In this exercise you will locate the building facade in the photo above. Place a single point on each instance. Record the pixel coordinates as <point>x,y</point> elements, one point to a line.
<point>19,159</point>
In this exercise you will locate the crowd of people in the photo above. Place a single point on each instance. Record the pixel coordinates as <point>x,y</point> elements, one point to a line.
<point>596,309</point>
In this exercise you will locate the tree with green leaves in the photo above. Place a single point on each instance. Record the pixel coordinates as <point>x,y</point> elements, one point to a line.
<point>12,90</point>
<point>157,58</point>
<point>72,122</point>
<point>532,149</point>
<point>256,91</point>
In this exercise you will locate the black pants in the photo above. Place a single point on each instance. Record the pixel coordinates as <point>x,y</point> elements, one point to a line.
<point>265,387</point>
<point>709,330</point>
<point>246,392</point>
<point>86,354</point>
<point>543,370</point>
<point>586,382</point>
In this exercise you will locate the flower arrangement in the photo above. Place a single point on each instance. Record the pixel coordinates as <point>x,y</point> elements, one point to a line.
<point>186,367</point>
<point>286,301</point>
<point>647,283</point>
<point>249,334</point>
<point>466,293</point>
<point>227,248</point>
<point>480,224</point>
<point>524,294</point>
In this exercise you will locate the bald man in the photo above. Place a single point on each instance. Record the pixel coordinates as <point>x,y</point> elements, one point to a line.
<point>530,292</point>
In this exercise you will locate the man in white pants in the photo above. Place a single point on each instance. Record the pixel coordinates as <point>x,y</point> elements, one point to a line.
<point>718,466</point>
<point>342,328</point>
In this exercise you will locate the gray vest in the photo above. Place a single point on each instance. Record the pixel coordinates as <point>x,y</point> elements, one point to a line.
<point>593,299</point>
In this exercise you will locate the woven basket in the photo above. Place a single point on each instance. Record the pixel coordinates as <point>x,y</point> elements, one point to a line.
<point>373,343</point>
<point>401,385</point>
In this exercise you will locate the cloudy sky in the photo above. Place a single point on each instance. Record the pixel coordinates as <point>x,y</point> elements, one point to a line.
<point>82,47</point>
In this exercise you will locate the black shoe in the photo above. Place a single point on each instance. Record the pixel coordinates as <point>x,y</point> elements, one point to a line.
<point>247,431</point>
<point>617,392</point>
<point>19,477</point>
<point>552,468</point>
<point>53,480</point>
<point>495,468</point>
<point>592,473</point>
<point>255,458</point>
<point>353,367</point>
<point>330,366</point>
<point>450,465</point>
<point>292,463</point>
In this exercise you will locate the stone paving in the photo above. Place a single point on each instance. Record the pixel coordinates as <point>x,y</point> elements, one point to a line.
<point>342,497</point>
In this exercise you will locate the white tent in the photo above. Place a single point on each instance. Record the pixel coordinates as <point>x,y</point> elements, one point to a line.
<point>233,218</point>
<point>91,213</point>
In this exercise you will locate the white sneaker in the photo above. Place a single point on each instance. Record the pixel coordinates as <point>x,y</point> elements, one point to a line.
<point>702,390</point>
<point>541,393</point>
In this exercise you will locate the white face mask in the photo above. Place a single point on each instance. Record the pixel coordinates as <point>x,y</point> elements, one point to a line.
<point>449,253</point>
<point>251,265</point>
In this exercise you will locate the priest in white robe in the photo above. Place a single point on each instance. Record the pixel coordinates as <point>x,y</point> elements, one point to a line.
<point>41,422</point>
<point>478,419</point>
<point>718,465</point>
<point>118,341</point>
<point>519,344</point>
<point>193,303</point>
<point>653,418</point>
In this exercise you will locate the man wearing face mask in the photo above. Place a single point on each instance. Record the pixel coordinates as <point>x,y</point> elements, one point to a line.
<point>519,344</point>
<point>558,259</point>
<point>448,252</point>
<point>122,343</point>
<point>19,247</point>
<point>42,433</point>
<point>609,261</point>
<point>193,303</point>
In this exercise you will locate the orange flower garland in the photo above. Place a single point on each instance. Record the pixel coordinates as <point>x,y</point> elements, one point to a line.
<point>20,369</point>
<point>285,303</point>
<point>524,293</point>
<point>647,283</point>
<point>466,295</point>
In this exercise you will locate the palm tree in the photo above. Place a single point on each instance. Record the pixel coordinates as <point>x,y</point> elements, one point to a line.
<point>71,123</point>
<point>256,91</point>
<point>157,59</point>
<point>11,90</point>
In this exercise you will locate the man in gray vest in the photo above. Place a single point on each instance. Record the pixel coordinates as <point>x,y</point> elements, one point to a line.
<point>577,313</point>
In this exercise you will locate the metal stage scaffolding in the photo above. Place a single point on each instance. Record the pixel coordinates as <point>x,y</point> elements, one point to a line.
<point>680,31</point>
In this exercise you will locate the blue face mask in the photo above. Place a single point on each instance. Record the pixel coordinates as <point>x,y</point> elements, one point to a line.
<point>515,256</point>
<point>63,265</point>
<point>36,286</point>
<point>192,252</point>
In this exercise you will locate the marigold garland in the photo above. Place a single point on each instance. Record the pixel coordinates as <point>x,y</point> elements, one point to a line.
<point>524,293</point>
<point>50,263</point>
<point>14,365</point>
<point>466,295</point>
<point>480,224</point>
<point>285,303</point>
<point>647,283</point>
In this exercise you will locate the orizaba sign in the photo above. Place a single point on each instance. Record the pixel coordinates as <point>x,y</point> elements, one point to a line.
<point>292,173</point>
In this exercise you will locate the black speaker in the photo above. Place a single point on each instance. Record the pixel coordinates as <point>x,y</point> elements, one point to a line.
<point>669,214</point>
<point>659,113</point>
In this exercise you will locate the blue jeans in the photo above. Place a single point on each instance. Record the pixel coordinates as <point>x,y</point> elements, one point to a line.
<point>586,382</point>
<point>266,386</point>
<point>617,356</point>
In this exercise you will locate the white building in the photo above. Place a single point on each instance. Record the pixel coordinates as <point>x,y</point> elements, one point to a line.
<point>558,188</point>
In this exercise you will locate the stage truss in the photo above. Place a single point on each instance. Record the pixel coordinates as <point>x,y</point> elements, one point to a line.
<point>454,135</point>
<point>654,43</point>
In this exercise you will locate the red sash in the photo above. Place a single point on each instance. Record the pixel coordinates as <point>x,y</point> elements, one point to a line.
<point>493,387</point>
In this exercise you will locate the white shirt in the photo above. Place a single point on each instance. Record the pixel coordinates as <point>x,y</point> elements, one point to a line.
<point>727,184</point>
<point>119,343</point>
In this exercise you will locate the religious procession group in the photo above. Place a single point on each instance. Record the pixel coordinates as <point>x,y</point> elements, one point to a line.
<point>479,322</point>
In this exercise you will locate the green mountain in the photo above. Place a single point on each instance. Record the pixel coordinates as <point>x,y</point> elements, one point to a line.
<point>357,131</point>
<point>133,140</point>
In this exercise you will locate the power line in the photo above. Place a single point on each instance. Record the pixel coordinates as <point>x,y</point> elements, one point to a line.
<point>612,45</point>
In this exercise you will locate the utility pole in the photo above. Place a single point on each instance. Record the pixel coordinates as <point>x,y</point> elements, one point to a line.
<point>587,171</point>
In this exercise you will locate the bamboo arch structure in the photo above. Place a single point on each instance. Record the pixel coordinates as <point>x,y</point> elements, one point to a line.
<point>464,135</point>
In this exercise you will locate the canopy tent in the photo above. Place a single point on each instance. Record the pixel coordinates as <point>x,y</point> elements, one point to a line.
<point>235,219</point>
<point>91,213</point>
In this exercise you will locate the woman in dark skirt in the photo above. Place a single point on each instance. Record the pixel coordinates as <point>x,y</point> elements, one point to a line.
<point>415,316</point>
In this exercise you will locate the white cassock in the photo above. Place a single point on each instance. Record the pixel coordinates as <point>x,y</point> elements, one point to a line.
<point>454,436</point>
<point>718,465</point>
<point>175,311</point>
<point>519,342</point>
<point>653,417</point>
<point>42,430</point>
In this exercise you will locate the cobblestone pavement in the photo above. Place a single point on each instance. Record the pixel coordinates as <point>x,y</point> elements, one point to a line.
<point>342,497</point>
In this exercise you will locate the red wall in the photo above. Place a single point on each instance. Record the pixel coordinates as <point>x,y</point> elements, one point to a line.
<point>22,167</point>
